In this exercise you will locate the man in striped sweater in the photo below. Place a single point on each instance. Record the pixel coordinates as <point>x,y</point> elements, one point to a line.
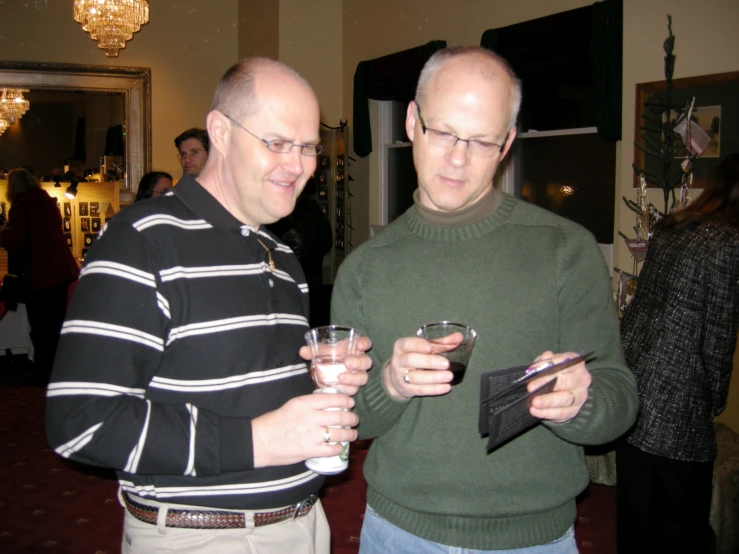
<point>180,361</point>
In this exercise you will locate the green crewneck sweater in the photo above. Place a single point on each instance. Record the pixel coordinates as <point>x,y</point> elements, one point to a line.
<point>527,281</point>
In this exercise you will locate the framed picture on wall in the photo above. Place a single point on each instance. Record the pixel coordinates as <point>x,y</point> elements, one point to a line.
<point>67,209</point>
<point>89,239</point>
<point>94,208</point>
<point>84,209</point>
<point>85,224</point>
<point>95,224</point>
<point>716,113</point>
<point>67,224</point>
<point>68,237</point>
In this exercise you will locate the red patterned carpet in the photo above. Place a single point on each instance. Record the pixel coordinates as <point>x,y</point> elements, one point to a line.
<point>49,505</point>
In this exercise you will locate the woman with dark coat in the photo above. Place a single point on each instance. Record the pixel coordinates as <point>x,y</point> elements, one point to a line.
<point>679,335</point>
<point>38,251</point>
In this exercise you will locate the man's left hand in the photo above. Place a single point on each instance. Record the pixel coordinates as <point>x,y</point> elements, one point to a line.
<point>357,366</point>
<point>570,392</point>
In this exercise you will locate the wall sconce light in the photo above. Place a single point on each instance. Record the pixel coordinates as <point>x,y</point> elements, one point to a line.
<point>71,191</point>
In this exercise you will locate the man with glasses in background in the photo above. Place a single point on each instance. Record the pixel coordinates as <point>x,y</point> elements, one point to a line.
<point>180,361</point>
<point>530,283</point>
<point>193,146</point>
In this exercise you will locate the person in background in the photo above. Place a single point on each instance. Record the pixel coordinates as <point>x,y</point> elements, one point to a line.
<point>31,169</point>
<point>530,283</point>
<point>679,335</point>
<point>182,361</point>
<point>193,147</point>
<point>153,184</point>
<point>307,231</point>
<point>39,255</point>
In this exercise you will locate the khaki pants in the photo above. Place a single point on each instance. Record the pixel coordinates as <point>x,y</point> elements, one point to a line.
<point>309,534</point>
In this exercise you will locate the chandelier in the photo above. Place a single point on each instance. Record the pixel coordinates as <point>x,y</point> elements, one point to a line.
<point>3,125</point>
<point>111,22</point>
<point>12,104</point>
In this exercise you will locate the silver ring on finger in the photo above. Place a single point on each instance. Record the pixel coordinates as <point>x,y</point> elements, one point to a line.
<point>327,436</point>
<point>406,377</point>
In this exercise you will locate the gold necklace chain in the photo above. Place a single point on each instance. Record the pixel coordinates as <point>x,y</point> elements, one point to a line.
<point>269,255</point>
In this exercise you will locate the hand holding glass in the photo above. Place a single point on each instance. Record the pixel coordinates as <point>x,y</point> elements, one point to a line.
<point>459,356</point>
<point>330,345</point>
<point>329,348</point>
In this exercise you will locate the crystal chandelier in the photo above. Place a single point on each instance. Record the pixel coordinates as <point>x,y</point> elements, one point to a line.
<point>12,104</point>
<point>3,125</point>
<point>111,22</point>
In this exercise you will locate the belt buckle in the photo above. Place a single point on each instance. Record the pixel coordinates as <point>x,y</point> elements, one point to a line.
<point>307,503</point>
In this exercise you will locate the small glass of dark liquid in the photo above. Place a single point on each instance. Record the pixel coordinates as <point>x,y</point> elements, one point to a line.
<point>459,355</point>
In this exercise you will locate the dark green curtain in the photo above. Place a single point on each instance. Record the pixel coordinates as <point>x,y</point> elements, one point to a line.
<point>577,49</point>
<point>392,77</point>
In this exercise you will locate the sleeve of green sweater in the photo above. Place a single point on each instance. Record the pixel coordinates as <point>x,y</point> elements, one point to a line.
<point>377,411</point>
<point>588,317</point>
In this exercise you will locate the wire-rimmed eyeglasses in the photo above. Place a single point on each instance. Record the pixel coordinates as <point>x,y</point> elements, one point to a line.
<point>282,146</point>
<point>444,139</point>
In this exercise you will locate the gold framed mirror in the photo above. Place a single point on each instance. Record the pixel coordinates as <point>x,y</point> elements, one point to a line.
<point>133,83</point>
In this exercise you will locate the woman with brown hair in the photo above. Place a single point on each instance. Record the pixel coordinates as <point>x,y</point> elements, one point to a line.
<point>38,253</point>
<point>679,335</point>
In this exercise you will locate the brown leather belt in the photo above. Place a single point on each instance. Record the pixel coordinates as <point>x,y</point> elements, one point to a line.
<point>221,519</point>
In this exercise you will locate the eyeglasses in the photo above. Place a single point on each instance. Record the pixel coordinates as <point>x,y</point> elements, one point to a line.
<point>283,146</point>
<point>194,153</point>
<point>444,139</point>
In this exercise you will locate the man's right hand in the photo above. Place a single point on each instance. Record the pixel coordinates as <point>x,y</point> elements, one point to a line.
<point>296,431</point>
<point>410,371</point>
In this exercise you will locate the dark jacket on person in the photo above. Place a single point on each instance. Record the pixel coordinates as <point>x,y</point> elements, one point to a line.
<point>679,335</point>
<point>307,231</point>
<point>35,241</point>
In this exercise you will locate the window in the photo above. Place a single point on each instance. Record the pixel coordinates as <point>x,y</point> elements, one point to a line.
<point>396,175</point>
<point>570,172</point>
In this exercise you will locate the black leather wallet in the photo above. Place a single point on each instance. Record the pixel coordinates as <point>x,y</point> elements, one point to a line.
<point>505,401</point>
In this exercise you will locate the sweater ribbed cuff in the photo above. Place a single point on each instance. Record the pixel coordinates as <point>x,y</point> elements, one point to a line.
<point>375,399</point>
<point>608,391</point>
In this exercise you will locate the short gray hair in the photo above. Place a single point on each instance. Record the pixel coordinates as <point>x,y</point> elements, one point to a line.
<point>236,91</point>
<point>440,56</point>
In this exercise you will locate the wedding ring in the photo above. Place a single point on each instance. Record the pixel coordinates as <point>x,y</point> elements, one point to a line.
<point>327,436</point>
<point>406,377</point>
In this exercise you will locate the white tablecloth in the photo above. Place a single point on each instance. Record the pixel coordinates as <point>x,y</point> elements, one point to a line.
<point>15,332</point>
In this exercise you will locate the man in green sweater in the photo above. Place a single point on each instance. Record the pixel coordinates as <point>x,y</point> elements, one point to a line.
<point>530,283</point>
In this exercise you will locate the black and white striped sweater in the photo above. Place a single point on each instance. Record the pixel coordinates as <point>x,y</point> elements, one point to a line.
<point>177,336</point>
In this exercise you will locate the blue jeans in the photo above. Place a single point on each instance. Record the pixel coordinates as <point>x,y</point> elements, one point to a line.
<point>382,537</point>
